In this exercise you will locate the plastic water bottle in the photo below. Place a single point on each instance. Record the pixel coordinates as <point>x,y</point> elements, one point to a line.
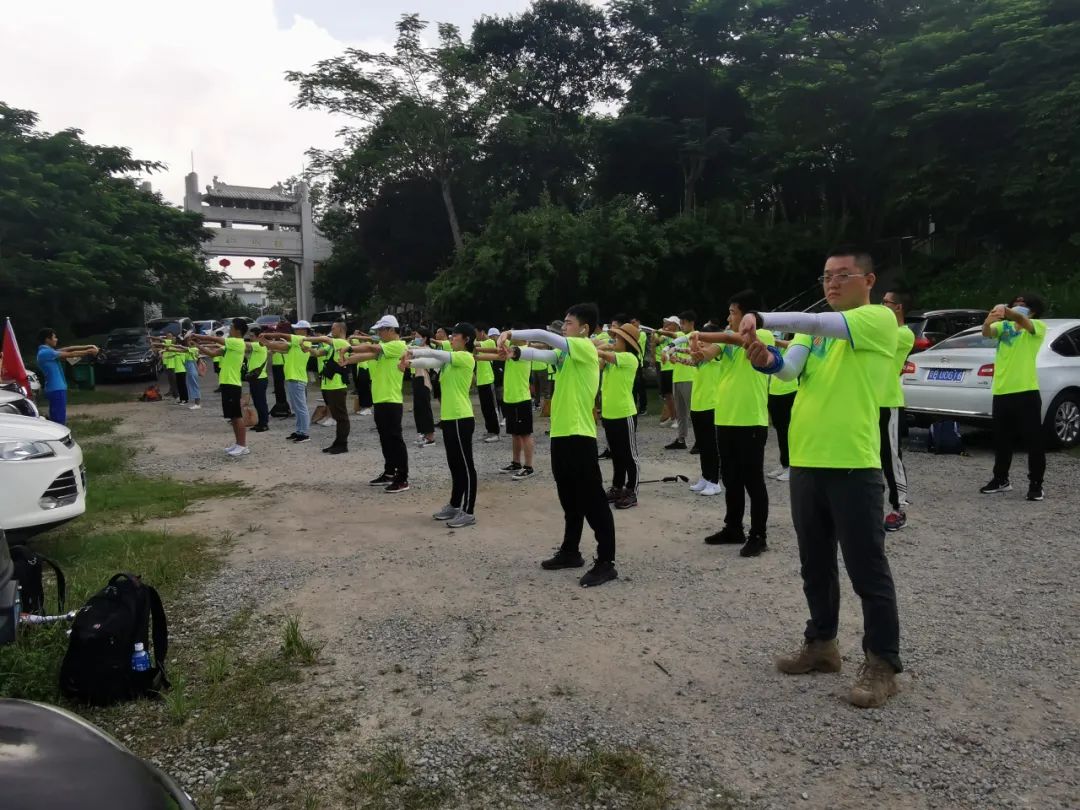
<point>140,659</point>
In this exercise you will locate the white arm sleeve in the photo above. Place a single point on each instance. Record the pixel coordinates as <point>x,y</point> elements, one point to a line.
<point>823,324</point>
<point>681,341</point>
<point>426,362</point>
<point>794,361</point>
<point>431,354</point>
<point>541,336</point>
<point>543,355</point>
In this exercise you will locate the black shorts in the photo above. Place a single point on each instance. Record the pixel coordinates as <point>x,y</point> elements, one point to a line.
<point>666,384</point>
<point>230,402</point>
<point>519,418</point>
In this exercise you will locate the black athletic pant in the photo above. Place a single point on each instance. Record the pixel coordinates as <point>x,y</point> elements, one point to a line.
<point>780,415</point>
<point>622,442</point>
<point>258,400</point>
<point>488,408</point>
<point>337,403</point>
<point>640,395</point>
<point>581,493</point>
<point>1018,416</point>
<point>705,439</point>
<point>181,385</point>
<point>421,399</point>
<point>843,507</point>
<point>363,386</point>
<point>281,402</point>
<point>457,438</point>
<point>395,455</point>
<point>892,457</point>
<point>742,468</point>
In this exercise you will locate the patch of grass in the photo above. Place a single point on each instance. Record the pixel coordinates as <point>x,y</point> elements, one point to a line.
<point>384,783</point>
<point>295,646</point>
<point>177,705</point>
<point>600,772</point>
<point>92,427</point>
<point>107,459</point>
<point>151,498</point>
<point>562,690</point>
<point>97,397</point>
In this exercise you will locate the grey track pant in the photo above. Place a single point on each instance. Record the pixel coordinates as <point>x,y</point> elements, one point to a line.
<point>683,390</point>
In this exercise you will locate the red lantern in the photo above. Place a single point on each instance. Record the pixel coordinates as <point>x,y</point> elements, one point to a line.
<point>249,263</point>
<point>224,262</point>
<point>274,264</point>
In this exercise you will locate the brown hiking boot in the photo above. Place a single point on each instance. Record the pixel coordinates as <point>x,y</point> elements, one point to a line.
<point>812,656</point>
<point>875,685</point>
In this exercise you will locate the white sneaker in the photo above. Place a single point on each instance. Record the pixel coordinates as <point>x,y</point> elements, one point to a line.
<point>239,450</point>
<point>700,485</point>
<point>231,447</point>
<point>664,422</point>
<point>712,489</point>
<point>785,474</point>
<point>775,473</point>
<point>327,422</point>
<point>195,408</point>
<point>673,424</point>
<point>365,412</point>
<point>491,437</point>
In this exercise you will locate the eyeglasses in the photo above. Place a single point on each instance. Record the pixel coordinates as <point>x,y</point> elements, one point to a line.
<point>839,278</point>
<point>891,304</point>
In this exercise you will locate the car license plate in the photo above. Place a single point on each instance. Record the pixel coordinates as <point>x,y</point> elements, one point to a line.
<point>123,369</point>
<point>946,374</point>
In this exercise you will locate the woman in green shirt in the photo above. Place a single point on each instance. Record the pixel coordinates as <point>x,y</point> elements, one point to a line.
<point>456,418</point>
<point>257,362</point>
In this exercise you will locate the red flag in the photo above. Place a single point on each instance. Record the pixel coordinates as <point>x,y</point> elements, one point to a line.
<point>13,368</point>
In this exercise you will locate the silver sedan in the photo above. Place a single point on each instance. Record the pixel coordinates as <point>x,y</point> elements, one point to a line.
<point>953,380</point>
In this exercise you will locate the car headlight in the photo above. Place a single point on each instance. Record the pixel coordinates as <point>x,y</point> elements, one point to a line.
<point>21,451</point>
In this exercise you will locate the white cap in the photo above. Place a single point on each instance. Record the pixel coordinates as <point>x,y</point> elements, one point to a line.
<point>493,332</point>
<point>672,319</point>
<point>301,325</point>
<point>386,322</point>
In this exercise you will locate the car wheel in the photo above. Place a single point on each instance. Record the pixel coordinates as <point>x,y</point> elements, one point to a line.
<point>1063,420</point>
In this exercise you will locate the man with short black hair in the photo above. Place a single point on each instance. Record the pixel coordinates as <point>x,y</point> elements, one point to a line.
<point>48,360</point>
<point>892,416</point>
<point>232,350</point>
<point>1017,408</point>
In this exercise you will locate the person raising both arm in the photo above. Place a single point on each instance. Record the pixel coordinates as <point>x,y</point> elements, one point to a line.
<point>334,383</point>
<point>517,405</point>
<point>619,364</point>
<point>294,345</point>
<point>48,360</point>
<point>233,350</point>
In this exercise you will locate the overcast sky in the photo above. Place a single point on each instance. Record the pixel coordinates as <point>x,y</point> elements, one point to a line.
<point>172,79</point>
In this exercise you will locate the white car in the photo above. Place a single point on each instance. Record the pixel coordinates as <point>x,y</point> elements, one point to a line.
<point>42,478</point>
<point>953,380</point>
<point>13,403</point>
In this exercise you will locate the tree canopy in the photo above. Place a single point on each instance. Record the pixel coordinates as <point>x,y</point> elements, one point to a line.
<point>652,154</point>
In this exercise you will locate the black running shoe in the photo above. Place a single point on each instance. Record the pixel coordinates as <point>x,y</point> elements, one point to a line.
<point>397,486</point>
<point>512,467</point>
<point>563,559</point>
<point>336,450</point>
<point>675,445</point>
<point>605,454</point>
<point>301,438</point>
<point>260,429</point>
<point>600,573</point>
<point>695,450</point>
<point>292,436</point>
<point>754,546</point>
<point>729,535</point>
<point>1035,492</point>
<point>382,481</point>
<point>996,486</point>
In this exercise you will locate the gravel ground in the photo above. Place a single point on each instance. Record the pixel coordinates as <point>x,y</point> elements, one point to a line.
<point>433,635</point>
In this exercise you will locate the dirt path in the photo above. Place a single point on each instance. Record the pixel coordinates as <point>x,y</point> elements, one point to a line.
<point>459,646</point>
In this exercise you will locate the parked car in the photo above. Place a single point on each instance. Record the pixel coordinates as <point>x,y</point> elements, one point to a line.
<point>128,355</point>
<point>42,478</point>
<point>933,326</point>
<point>13,403</point>
<point>322,321</point>
<point>268,322</point>
<point>206,327</point>
<point>953,379</point>
<point>225,324</point>
<point>172,326</point>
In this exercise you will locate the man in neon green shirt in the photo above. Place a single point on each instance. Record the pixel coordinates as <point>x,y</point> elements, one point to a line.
<point>258,360</point>
<point>574,464</point>
<point>386,382</point>
<point>662,339</point>
<point>295,347</point>
<point>682,384</point>
<point>843,359</point>
<point>232,351</point>
<point>892,415</point>
<point>517,406</point>
<point>334,383</point>
<point>1017,408</point>
<point>485,391</point>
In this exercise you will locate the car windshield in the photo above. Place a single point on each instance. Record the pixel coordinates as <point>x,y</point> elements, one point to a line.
<point>126,341</point>
<point>967,340</point>
<point>271,319</point>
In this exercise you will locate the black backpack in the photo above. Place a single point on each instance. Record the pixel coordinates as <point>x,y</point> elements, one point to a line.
<point>97,666</point>
<point>28,573</point>
<point>945,439</point>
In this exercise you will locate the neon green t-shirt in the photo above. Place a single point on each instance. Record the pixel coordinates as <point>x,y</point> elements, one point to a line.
<point>296,360</point>
<point>278,359</point>
<point>703,395</point>
<point>617,387</point>
<point>683,372</point>
<point>742,393</point>
<point>778,387</point>
<point>1014,363</point>
<point>664,364</point>
<point>642,340</point>
<point>539,365</point>
<point>894,393</point>
<point>485,374</point>
<point>455,379</point>
<point>835,418</point>
<point>516,381</point>
<point>385,376</point>
<point>258,358</point>
<point>337,382</point>
<point>233,359</point>
<point>167,358</point>
<point>577,378</point>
